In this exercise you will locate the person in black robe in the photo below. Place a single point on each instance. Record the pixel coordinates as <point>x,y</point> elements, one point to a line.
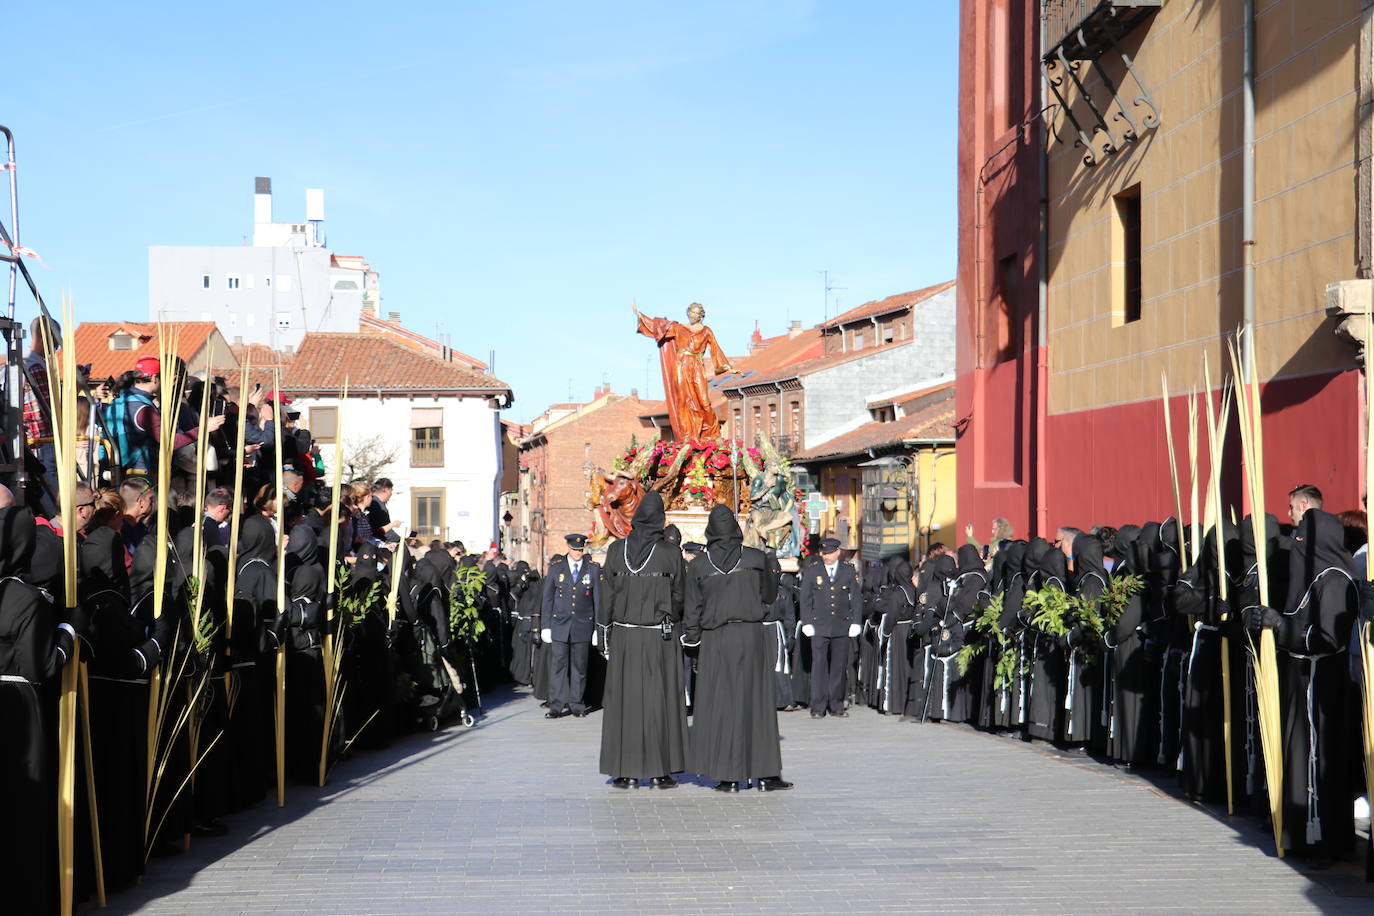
<point>34,646</point>
<point>1197,597</point>
<point>936,574</point>
<point>520,657</point>
<point>1049,667</point>
<point>1002,704</point>
<point>1313,635</point>
<point>1084,686</point>
<point>255,638</point>
<point>1169,631</point>
<point>952,696</point>
<point>304,636</point>
<point>1247,754</point>
<point>735,728</point>
<point>542,655</point>
<point>644,722</point>
<point>900,611</point>
<point>779,623</point>
<point>1132,686</point>
<point>368,666</point>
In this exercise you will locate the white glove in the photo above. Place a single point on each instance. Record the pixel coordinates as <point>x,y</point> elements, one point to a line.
<point>808,630</point>
<point>546,635</point>
<point>853,629</point>
<point>596,640</point>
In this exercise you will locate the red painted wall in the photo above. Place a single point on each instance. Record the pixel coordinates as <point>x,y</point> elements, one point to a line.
<point>997,297</point>
<point>1110,466</point>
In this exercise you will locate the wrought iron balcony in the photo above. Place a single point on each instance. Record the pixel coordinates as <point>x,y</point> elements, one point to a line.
<point>1077,34</point>
<point>1087,29</point>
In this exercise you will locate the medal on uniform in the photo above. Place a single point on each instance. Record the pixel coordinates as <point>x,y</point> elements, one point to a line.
<point>944,633</point>
<point>560,577</point>
<point>818,580</point>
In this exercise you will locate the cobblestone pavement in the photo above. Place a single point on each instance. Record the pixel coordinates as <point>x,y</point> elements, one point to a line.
<point>511,817</point>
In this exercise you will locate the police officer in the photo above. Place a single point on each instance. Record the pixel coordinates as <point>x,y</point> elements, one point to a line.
<point>831,607</point>
<point>572,595</point>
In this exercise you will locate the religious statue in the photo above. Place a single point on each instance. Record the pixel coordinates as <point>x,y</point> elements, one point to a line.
<point>682,352</point>
<point>620,496</point>
<point>773,519</point>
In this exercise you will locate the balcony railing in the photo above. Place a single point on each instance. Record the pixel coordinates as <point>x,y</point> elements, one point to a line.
<point>1086,29</point>
<point>427,453</point>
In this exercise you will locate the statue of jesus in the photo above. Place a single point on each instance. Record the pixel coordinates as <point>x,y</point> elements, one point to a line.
<point>682,352</point>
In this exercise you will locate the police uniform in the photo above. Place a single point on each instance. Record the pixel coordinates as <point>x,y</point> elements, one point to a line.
<point>831,604</point>
<point>572,595</point>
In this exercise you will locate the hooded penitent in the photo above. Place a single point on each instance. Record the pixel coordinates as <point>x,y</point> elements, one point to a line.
<point>646,529</point>
<point>724,540</point>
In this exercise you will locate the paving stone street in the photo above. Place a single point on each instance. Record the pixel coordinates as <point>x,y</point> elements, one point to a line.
<point>511,817</point>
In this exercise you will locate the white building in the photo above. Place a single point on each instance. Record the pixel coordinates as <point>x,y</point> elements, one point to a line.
<point>274,292</point>
<point>439,418</point>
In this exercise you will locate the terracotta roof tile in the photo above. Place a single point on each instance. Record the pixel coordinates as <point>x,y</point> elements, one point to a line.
<point>372,362</point>
<point>93,343</point>
<point>890,304</point>
<point>370,323</point>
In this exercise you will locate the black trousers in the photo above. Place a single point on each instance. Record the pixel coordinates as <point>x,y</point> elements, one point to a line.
<point>829,673</point>
<point>568,675</point>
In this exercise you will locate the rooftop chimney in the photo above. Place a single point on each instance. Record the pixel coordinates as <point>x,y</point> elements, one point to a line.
<point>796,328</point>
<point>238,341</point>
<point>262,200</point>
<point>634,393</point>
<point>393,317</point>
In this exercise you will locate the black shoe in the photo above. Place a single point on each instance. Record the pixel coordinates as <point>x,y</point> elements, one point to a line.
<point>622,782</point>
<point>663,782</point>
<point>209,828</point>
<point>727,786</point>
<point>774,784</point>
<point>818,715</point>
<point>579,713</point>
<point>555,715</point>
<point>163,849</point>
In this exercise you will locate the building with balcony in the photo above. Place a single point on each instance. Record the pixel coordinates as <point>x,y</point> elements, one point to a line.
<point>1112,235</point>
<point>432,425</point>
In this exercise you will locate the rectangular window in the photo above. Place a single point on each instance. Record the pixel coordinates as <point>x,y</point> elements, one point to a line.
<point>796,419</point>
<point>324,423</point>
<point>204,281</point>
<point>773,420</point>
<point>284,282</point>
<point>737,427</point>
<point>283,321</point>
<point>231,282</point>
<point>858,341</point>
<point>1126,258</point>
<point>888,334</point>
<point>267,281</point>
<point>427,513</point>
<point>427,447</point>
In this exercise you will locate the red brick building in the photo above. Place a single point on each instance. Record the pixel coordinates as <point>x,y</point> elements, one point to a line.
<point>564,447</point>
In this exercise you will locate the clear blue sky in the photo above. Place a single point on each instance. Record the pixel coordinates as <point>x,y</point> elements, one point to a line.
<point>517,171</point>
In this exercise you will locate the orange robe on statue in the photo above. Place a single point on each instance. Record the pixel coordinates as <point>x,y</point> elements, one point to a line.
<point>682,353</point>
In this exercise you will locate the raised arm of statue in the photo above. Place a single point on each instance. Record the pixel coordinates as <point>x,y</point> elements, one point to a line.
<point>657,328</point>
<point>718,357</point>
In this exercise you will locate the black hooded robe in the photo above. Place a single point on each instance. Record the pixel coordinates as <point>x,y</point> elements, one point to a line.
<point>936,573</point>
<point>32,653</point>
<point>521,661</point>
<point>780,622</point>
<point>1049,667</point>
<point>1318,694</point>
<point>253,661</point>
<point>735,723</point>
<point>305,595</point>
<point>1084,685</point>
<point>899,613</point>
<point>644,720</point>
<point>1132,719</point>
<point>953,696</point>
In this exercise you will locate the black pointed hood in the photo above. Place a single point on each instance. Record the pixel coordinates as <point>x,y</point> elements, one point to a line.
<point>18,534</point>
<point>724,540</point>
<point>303,544</point>
<point>673,535</point>
<point>1087,558</point>
<point>257,540</point>
<point>646,529</point>
<point>970,560</point>
<point>1319,545</point>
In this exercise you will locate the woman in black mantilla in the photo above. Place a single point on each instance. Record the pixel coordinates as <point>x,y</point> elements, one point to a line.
<point>735,729</point>
<point>644,723</point>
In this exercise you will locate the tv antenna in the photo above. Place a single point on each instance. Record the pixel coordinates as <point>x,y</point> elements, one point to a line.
<point>825,282</point>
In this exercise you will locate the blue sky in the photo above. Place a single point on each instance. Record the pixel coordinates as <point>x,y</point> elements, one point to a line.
<point>517,171</point>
